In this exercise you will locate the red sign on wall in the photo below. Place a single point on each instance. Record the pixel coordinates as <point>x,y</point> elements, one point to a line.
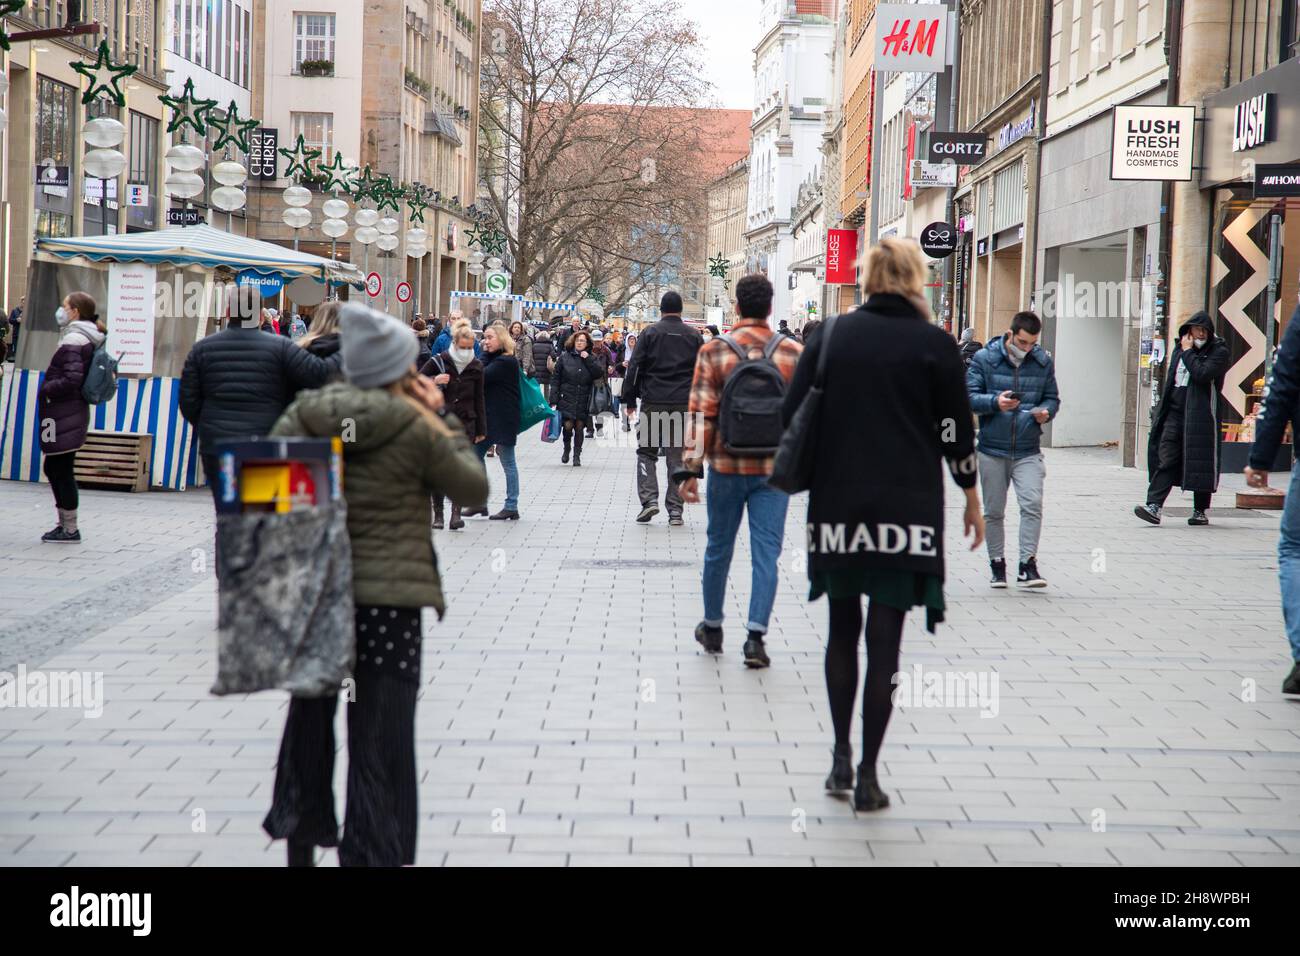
<point>841,256</point>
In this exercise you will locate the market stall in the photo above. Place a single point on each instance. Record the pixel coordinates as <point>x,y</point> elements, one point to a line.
<point>484,308</point>
<point>159,292</point>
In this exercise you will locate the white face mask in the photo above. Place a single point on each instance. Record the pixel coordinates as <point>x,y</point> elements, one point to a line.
<point>62,317</point>
<point>1199,343</point>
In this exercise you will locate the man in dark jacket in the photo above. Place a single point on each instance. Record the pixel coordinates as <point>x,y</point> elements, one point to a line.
<point>1282,407</point>
<point>659,377</point>
<point>1184,445</point>
<point>1012,388</point>
<point>969,345</point>
<point>238,382</point>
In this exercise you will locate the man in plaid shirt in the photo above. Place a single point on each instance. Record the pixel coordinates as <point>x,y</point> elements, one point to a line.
<point>735,483</point>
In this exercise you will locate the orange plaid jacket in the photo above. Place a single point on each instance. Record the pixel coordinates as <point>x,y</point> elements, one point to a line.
<point>716,361</point>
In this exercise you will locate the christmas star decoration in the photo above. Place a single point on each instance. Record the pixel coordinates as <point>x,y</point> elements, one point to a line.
<point>595,295</point>
<point>188,111</point>
<point>300,159</point>
<point>338,177</point>
<point>232,129</point>
<point>6,8</point>
<point>104,77</point>
<point>364,185</point>
<point>718,266</point>
<point>494,244</point>
<point>386,194</point>
<point>474,235</point>
<point>417,201</point>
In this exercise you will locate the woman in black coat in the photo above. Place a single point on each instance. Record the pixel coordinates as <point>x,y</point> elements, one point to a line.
<point>1183,448</point>
<point>894,407</point>
<point>576,371</point>
<point>501,401</point>
<point>460,376</point>
<point>543,356</point>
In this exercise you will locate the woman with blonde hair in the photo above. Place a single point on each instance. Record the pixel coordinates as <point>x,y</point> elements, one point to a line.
<point>322,340</point>
<point>501,401</point>
<point>893,406</point>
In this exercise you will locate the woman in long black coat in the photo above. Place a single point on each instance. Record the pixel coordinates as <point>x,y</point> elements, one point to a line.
<point>501,401</point>
<point>460,376</point>
<point>576,371</point>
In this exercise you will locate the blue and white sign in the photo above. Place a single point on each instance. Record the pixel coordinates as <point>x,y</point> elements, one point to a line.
<point>267,285</point>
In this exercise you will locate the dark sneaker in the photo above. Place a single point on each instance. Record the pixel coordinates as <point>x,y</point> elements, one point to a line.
<point>1149,513</point>
<point>1029,576</point>
<point>841,775</point>
<point>755,653</point>
<point>999,579</point>
<point>675,521</point>
<point>504,515</point>
<point>648,512</point>
<point>59,536</point>
<point>1292,683</point>
<point>1198,518</point>
<point>710,638</point>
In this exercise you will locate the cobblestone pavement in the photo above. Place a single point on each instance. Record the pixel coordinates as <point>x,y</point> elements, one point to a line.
<point>568,717</point>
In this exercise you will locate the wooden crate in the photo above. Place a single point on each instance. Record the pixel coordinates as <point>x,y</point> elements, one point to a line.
<point>116,460</point>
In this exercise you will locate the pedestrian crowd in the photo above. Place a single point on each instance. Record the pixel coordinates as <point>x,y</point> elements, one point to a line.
<point>768,411</point>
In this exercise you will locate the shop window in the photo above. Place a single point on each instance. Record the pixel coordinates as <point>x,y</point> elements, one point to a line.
<point>317,130</point>
<point>56,118</point>
<point>142,170</point>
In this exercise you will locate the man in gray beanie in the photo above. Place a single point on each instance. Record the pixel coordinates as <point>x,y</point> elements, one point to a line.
<point>237,382</point>
<point>377,349</point>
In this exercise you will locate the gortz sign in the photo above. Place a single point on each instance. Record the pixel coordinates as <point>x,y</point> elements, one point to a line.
<point>1152,142</point>
<point>965,149</point>
<point>911,37</point>
<point>1254,122</point>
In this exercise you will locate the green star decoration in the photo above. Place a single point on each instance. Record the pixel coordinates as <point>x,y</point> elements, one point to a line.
<point>8,7</point>
<point>232,129</point>
<point>474,235</point>
<point>494,244</point>
<point>188,112</point>
<point>718,266</point>
<point>104,77</point>
<point>300,159</point>
<point>417,200</point>
<point>338,177</point>
<point>387,193</point>
<point>364,186</point>
<point>595,295</point>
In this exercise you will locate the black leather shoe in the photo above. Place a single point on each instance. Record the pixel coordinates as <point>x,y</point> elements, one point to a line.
<point>755,653</point>
<point>504,515</point>
<point>710,638</point>
<point>564,459</point>
<point>841,775</point>
<point>438,521</point>
<point>1292,683</point>
<point>456,525</point>
<point>867,795</point>
<point>577,460</point>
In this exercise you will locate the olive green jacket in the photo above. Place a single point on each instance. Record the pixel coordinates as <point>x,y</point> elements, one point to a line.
<point>393,461</point>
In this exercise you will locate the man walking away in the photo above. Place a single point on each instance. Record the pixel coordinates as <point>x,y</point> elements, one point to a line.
<point>1012,386</point>
<point>1282,406</point>
<point>969,345</point>
<point>738,482</point>
<point>659,376</point>
<point>1183,448</point>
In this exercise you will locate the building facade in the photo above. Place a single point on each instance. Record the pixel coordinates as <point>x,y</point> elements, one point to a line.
<point>728,207</point>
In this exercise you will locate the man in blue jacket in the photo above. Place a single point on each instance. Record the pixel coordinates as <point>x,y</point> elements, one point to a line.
<point>1281,406</point>
<point>1012,386</point>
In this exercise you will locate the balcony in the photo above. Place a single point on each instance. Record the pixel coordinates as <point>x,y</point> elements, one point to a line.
<point>416,85</point>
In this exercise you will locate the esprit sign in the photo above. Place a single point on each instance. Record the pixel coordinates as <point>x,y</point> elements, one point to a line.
<point>1254,122</point>
<point>841,256</point>
<point>911,38</point>
<point>1152,142</point>
<point>965,149</point>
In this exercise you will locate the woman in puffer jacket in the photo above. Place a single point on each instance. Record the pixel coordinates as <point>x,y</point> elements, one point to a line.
<point>460,376</point>
<point>576,370</point>
<point>64,414</point>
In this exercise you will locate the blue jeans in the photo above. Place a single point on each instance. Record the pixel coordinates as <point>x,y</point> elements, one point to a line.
<point>727,497</point>
<point>505,455</point>
<point>1288,564</point>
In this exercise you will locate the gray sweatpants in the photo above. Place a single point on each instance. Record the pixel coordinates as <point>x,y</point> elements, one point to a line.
<point>1027,474</point>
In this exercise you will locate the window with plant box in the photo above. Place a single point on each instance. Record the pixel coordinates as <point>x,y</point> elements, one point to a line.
<point>313,40</point>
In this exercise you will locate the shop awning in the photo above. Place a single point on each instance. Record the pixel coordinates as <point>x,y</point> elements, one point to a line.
<point>509,297</point>
<point>205,246</point>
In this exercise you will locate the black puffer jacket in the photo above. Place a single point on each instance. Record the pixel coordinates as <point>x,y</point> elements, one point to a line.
<point>571,384</point>
<point>238,382</point>
<point>1202,435</point>
<point>542,353</point>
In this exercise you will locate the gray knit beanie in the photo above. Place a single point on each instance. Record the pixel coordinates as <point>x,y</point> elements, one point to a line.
<point>377,348</point>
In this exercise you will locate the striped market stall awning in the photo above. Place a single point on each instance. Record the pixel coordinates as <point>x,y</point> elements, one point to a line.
<point>509,297</point>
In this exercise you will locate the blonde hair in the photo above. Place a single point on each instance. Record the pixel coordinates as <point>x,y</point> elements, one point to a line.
<point>324,321</point>
<point>506,341</point>
<point>461,327</point>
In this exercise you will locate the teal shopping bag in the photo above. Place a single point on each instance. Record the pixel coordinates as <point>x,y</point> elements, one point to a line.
<point>533,407</point>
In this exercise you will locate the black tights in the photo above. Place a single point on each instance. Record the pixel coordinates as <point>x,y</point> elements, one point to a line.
<point>61,470</point>
<point>573,429</point>
<point>884,635</point>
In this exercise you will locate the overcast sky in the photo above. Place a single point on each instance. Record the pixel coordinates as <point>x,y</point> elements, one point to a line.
<point>729,29</point>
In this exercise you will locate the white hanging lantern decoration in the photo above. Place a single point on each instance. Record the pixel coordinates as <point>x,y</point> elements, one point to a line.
<point>366,217</point>
<point>386,242</point>
<point>335,208</point>
<point>295,217</point>
<point>228,198</point>
<point>104,163</point>
<point>416,237</point>
<point>366,235</point>
<point>297,196</point>
<point>184,157</point>
<point>388,226</point>
<point>417,250</point>
<point>104,132</point>
<point>494,263</point>
<point>334,228</point>
<point>230,173</point>
<point>183,184</point>
<point>474,269</point>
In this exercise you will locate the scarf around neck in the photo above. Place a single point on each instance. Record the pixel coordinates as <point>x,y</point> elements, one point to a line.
<point>460,357</point>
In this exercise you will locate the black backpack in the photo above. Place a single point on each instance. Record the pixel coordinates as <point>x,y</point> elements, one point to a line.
<point>749,414</point>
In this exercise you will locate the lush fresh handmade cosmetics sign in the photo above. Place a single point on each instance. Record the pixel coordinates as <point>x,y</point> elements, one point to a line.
<point>1153,142</point>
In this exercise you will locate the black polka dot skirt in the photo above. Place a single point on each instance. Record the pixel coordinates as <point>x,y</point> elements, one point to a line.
<point>388,642</point>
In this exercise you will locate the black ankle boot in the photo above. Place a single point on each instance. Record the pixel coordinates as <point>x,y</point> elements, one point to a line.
<point>301,854</point>
<point>841,775</point>
<point>564,459</point>
<point>867,795</point>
